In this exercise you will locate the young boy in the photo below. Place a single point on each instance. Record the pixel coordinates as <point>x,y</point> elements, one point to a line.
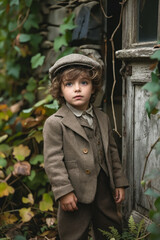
<point>81,157</point>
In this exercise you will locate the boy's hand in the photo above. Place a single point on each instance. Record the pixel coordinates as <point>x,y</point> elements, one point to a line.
<point>120,195</point>
<point>69,202</point>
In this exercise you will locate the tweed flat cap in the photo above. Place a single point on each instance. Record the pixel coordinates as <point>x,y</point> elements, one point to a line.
<point>72,60</point>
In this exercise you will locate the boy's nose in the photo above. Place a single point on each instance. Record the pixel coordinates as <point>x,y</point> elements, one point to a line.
<point>77,87</point>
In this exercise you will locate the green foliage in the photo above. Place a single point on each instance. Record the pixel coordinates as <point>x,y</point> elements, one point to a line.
<point>153,88</point>
<point>37,60</point>
<point>24,187</point>
<point>133,232</point>
<point>64,39</point>
<point>19,48</point>
<point>152,107</point>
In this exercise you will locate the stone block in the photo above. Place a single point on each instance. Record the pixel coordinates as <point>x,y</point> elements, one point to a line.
<point>56,16</point>
<point>53,32</point>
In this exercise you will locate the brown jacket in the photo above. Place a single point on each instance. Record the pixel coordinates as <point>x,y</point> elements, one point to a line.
<point>68,156</point>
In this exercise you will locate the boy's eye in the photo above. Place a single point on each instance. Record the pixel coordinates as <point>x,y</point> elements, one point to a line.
<point>84,82</point>
<point>68,84</point>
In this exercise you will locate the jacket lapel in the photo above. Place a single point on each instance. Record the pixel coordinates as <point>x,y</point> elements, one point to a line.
<point>70,121</point>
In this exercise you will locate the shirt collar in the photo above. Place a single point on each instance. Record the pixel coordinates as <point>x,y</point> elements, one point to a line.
<point>79,113</point>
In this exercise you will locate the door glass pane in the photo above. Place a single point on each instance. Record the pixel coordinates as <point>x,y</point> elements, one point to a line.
<point>148,20</point>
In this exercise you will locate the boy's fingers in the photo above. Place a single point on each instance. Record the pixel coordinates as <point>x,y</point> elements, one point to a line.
<point>74,206</point>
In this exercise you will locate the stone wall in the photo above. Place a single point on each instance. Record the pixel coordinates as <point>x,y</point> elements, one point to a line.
<point>86,37</point>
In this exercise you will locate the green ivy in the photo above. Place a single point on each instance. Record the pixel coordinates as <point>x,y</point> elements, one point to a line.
<point>152,108</point>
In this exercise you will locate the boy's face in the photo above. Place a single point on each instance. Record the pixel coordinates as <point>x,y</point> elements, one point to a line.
<point>77,92</point>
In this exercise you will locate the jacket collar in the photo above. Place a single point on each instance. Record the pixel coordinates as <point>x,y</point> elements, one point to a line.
<point>70,121</point>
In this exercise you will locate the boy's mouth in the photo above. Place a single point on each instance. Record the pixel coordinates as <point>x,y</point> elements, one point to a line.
<point>77,97</point>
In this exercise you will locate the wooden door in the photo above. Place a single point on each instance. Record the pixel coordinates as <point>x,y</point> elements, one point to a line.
<point>139,134</point>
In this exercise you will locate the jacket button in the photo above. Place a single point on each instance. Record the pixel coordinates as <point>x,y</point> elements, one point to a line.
<point>85,150</point>
<point>88,171</point>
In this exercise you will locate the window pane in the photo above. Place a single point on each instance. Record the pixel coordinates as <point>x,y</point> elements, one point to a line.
<point>148,20</point>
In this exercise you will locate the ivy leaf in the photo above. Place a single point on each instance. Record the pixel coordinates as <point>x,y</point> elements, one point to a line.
<point>46,203</point>
<point>68,24</point>
<point>32,84</point>
<point>151,104</point>
<point>59,42</point>
<point>152,193</point>
<point>156,55</point>
<point>154,77</point>
<point>24,37</point>
<point>13,69</point>
<point>21,152</point>
<point>67,51</point>
<point>32,175</point>
<point>157,204</point>
<point>5,189</point>
<point>154,229</point>
<point>3,162</point>
<point>12,25</point>
<point>6,149</point>
<point>31,22</point>
<point>37,159</point>
<point>38,136</point>
<point>36,39</point>
<point>29,96</point>
<point>152,87</point>
<point>26,214</point>
<point>37,60</point>
<point>8,218</point>
<point>29,199</point>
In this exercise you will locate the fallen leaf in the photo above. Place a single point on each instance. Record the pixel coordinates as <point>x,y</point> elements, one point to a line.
<point>46,203</point>
<point>4,137</point>
<point>3,107</point>
<point>40,111</point>
<point>2,175</point>
<point>21,152</point>
<point>32,122</point>
<point>5,189</point>
<point>26,214</point>
<point>2,155</point>
<point>22,168</point>
<point>8,218</point>
<point>29,199</point>
<point>38,136</point>
<point>50,221</point>
<point>16,107</point>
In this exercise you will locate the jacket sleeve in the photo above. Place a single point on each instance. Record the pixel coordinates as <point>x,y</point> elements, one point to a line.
<point>54,158</point>
<point>118,176</point>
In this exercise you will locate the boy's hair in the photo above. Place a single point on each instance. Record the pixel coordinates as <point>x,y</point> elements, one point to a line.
<point>72,73</point>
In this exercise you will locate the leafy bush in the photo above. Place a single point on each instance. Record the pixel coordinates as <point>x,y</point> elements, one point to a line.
<point>134,231</point>
<point>24,188</point>
<point>152,107</point>
<point>26,200</point>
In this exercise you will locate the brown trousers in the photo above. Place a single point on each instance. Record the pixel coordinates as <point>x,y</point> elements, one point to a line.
<point>102,213</point>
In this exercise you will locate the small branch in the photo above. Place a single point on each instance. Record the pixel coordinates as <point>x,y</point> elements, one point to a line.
<point>101,5</point>
<point>143,236</point>
<point>113,67</point>
<point>19,25</point>
<point>147,157</point>
<point>8,177</point>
